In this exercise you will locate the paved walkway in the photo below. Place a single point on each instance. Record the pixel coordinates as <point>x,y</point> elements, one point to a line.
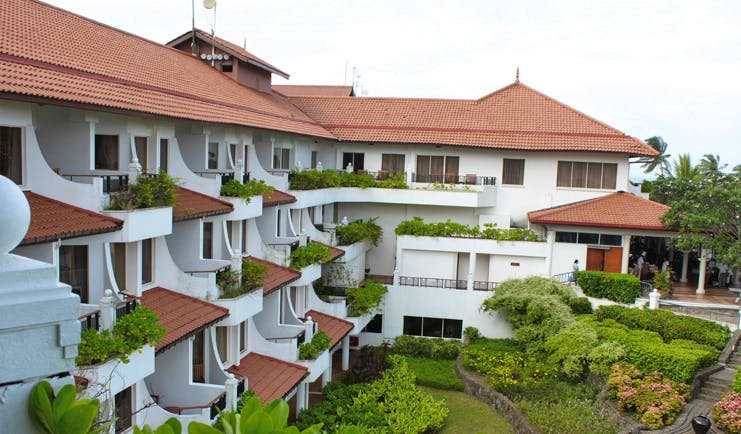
<point>716,385</point>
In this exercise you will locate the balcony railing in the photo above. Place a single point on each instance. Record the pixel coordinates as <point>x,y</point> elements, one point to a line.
<point>125,307</point>
<point>454,178</point>
<point>300,338</point>
<point>112,182</point>
<point>90,321</point>
<point>225,176</point>
<point>218,403</point>
<point>386,280</point>
<point>432,282</point>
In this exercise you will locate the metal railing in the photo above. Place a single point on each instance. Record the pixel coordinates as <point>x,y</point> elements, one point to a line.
<point>431,282</point>
<point>482,285</point>
<point>646,288</point>
<point>90,321</point>
<point>226,176</point>
<point>112,183</point>
<point>454,178</point>
<point>563,277</point>
<point>125,307</point>
<point>386,280</point>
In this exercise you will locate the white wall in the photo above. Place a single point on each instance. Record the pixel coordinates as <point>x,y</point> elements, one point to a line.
<point>564,255</point>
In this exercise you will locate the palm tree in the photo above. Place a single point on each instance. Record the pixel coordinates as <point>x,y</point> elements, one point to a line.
<point>682,168</point>
<point>710,164</point>
<point>649,164</point>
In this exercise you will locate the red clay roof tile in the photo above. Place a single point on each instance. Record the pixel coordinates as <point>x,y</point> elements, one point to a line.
<point>191,205</point>
<point>180,314</point>
<point>52,220</point>
<point>336,252</point>
<point>335,328</point>
<point>276,197</point>
<point>276,276</point>
<point>295,90</point>
<point>514,117</point>
<point>268,377</point>
<point>617,210</point>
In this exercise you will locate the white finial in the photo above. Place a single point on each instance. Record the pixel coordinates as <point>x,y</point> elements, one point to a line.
<point>16,215</point>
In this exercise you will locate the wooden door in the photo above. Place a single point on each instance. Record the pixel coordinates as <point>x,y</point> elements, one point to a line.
<point>613,260</point>
<point>595,259</point>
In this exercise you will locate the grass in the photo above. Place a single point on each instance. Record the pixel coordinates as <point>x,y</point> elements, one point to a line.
<point>468,415</point>
<point>439,374</point>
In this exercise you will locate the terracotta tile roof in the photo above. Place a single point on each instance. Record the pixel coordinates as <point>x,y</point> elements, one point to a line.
<point>295,90</point>
<point>191,205</point>
<point>268,377</point>
<point>180,315</point>
<point>276,276</point>
<point>228,47</point>
<point>616,210</point>
<point>335,328</point>
<point>514,117</point>
<point>336,252</point>
<point>276,197</point>
<point>52,220</point>
<point>47,54</point>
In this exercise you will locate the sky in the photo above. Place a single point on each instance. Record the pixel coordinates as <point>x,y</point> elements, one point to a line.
<point>648,68</point>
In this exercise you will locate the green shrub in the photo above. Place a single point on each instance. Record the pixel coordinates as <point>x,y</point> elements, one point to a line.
<point>368,366</point>
<point>361,301</point>
<point>439,373</point>
<point>507,369</point>
<point>338,409</point>
<point>359,230</point>
<point>395,180</point>
<point>736,386</point>
<point>669,325</point>
<point>579,305</point>
<point>622,288</point>
<point>471,334</point>
<point>417,227</point>
<point>434,348</point>
<point>311,253</point>
<point>252,277</point>
<point>313,180</point>
<point>502,345</point>
<point>570,349</point>
<point>727,413</point>
<point>311,350</point>
<point>253,187</point>
<point>561,412</point>
<point>147,192</point>
<point>604,356</point>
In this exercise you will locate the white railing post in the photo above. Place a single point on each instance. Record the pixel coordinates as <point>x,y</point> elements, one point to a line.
<point>107,310</point>
<point>309,327</point>
<point>653,299</point>
<point>396,277</point>
<point>231,384</point>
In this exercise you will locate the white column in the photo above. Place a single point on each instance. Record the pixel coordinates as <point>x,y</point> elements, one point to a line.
<point>550,238</point>
<point>471,270</point>
<point>107,310</point>
<point>302,396</point>
<point>685,266</point>
<point>626,254</point>
<point>703,266</point>
<point>231,392</point>
<point>327,374</point>
<point>346,353</point>
<point>309,327</point>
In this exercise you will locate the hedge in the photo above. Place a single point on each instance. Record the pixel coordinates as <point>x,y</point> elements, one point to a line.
<point>669,325</point>
<point>623,288</point>
<point>433,348</point>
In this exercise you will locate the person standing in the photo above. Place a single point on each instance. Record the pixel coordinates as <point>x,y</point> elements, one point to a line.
<point>640,266</point>
<point>574,270</point>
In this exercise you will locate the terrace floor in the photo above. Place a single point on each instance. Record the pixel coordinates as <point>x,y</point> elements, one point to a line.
<point>686,293</point>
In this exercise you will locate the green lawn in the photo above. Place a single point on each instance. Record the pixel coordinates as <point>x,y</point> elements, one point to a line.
<point>439,374</point>
<point>468,415</point>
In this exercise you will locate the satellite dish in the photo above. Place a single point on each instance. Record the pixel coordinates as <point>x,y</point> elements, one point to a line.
<point>209,4</point>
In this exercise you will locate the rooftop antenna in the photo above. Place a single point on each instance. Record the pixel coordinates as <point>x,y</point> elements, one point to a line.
<point>245,43</point>
<point>193,27</point>
<point>211,4</point>
<point>345,82</point>
<point>517,75</point>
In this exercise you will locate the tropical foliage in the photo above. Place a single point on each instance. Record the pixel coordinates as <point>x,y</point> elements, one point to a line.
<point>313,180</point>
<point>362,300</point>
<point>311,253</point>
<point>417,227</point>
<point>253,187</point>
<point>359,230</point>
<point>147,192</point>
<point>233,284</point>
<point>311,350</point>
<point>62,412</point>
<point>623,288</point>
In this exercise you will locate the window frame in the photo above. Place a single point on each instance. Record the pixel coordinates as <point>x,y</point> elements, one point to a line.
<point>282,158</point>
<point>207,247</point>
<point>584,181</point>
<point>445,177</point>
<point>212,158</point>
<point>521,169</point>
<point>98,147</point>
<point>14,132</point>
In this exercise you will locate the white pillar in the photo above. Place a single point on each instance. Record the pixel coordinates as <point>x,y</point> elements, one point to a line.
<point>626,254</point>
<point>327,374</point>
<point>653,299</point>
<point>396,276</point>
<point>685,266</point>
<point>346,353</point>
<point>550,238</point>
<point>231,392</point>
<point>409,176</point>
<point>238,168</point>
<point>471,270</point>
<point>703,266</point>
<point>107,310</point>
<point>309,327</point>
<point>302,396</point>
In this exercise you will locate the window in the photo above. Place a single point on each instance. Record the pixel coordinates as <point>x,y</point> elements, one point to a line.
<point>575,174</point>
<point>222,342</point>
<point>147,251</point>
<point>433,327</point>
<point>314,159</point>
<point>123,409</point>
<point>164,144</point>
<point>244,236</point>
<point>356,158</point>
<point>140,143</point>
<point>243,336</point>
<point>392,163</point>
<point>375,325</point>
<point>118,259</point>
<point>11,160</point>
<point>213,155</point>
<point>199,347</point>
<point>513,171</point>
<point>73,270</point>
<point>589,238</point>
<point>208,240</point>
<point>437,168</point>
<point>566,237</point>
<point>278,232</point>
<point>227,67</point>
<point>281,158</point>
<point>106,152</point>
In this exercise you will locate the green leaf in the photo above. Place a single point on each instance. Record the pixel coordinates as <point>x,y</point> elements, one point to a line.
<point>259,423</point>
<point>174,424</point>
<point>79,418</point>
<point>40,407</point>
<point>201,428</point>
<point>279,413</point>
<point>64,400</point>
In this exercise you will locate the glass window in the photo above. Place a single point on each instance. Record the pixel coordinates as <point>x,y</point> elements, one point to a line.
<point>579,175</point>
<point>437,168</point>
<point>609,176</point>
<point>73,270</point>
<point>314,159</point>
<point>118,258</point>
<point>413,325</point>
<point>11,160</point>
<point>281,158</point>
<point>140,144</point>
<point>222,342</point>
<point>208,240</point>
<point>106,152</point>
<point>199,348</point>
<point>356,158</point>
<point>213,155</point>
<point>375,325</point>
<point>594,175</point>
<point>164,144</point>
<point>243,336</point>
<point>432,327</point>
<point>147,260</point>
<point>610,240</point>
<point>453,328</point>
<point>565,237</point>
<point>587,238</point>
<point>513,171</point>
<point>392,163</point>
<point>233,153</point>
<point>586,175</point>
<point>124,412</point>
<point>563,179</point>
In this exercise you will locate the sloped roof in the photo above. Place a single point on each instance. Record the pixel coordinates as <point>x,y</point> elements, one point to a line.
<point>334,251</point>
<point>616,210</point>
<point>268,377</point>
<point>276,276</point>
<point>53,220</point>
<point>226,46</point>
<point>180,314</point>
<point>47,53</point>
<point>335,328</point>
<point>297,90</point>
<point>276,197</point>
<point>514,117</point>
<point>191,205</point>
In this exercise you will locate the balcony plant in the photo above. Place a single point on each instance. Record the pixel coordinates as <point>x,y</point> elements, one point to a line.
<point>314,180</point>
<point>252,277</point>
<point>417,227</point>
<point>148,192</point>
<point>311,350</point>
<point>365,298</point>
<point>359,230</point>
<point>253,187</point>
<point>311,253</point>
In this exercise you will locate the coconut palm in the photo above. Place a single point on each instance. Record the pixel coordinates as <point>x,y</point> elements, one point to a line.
<point>682,168</point>
<point>649,164</point>
<point>710,164</point>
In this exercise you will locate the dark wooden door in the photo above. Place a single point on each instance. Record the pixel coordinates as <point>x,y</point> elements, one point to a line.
<point>613,260</point>
<point>595,259</point>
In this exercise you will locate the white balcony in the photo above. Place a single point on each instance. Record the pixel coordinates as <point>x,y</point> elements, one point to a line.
<point>317,366</point>
<point>242,209</point>
<point>476,197</point>
<point>241,308</point>
<point>308,275</point>
<point>114,375</point>
<point>140,224</point>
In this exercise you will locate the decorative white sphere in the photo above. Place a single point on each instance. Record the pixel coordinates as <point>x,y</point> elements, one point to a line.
<point>15,215</point>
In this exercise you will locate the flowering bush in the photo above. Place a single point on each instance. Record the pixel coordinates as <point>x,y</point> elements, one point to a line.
<point>655,399</point>
<point>727,413</point>
<point>504,370</point>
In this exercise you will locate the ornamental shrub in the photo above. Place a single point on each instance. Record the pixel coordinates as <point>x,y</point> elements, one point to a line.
<point>417,227</point>
<point>253,187</point>
<point>311,350</point>
<point>311,253</point>
<point>313,180</point>
<point>434,348</point>
<point>736,386</point>
<point>361,301</point>
<point>359,230</point>
<point>570,349</point>
<point>726,413</point>
<point>622,288</point>
<point>604,356</point>
<point>252,277</point>
<point>368,366</point>
<point>669,325</point>
<point>507,370</point>
<point>147,192</point>
<point>655,400</point>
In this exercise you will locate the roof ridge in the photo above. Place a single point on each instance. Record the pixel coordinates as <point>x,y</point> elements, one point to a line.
<point>117,222</point>
<point>275,359</point>
<point>475,130</point>
<point>208,196</point>
<point>189,297</point>
<point>331,316</point>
